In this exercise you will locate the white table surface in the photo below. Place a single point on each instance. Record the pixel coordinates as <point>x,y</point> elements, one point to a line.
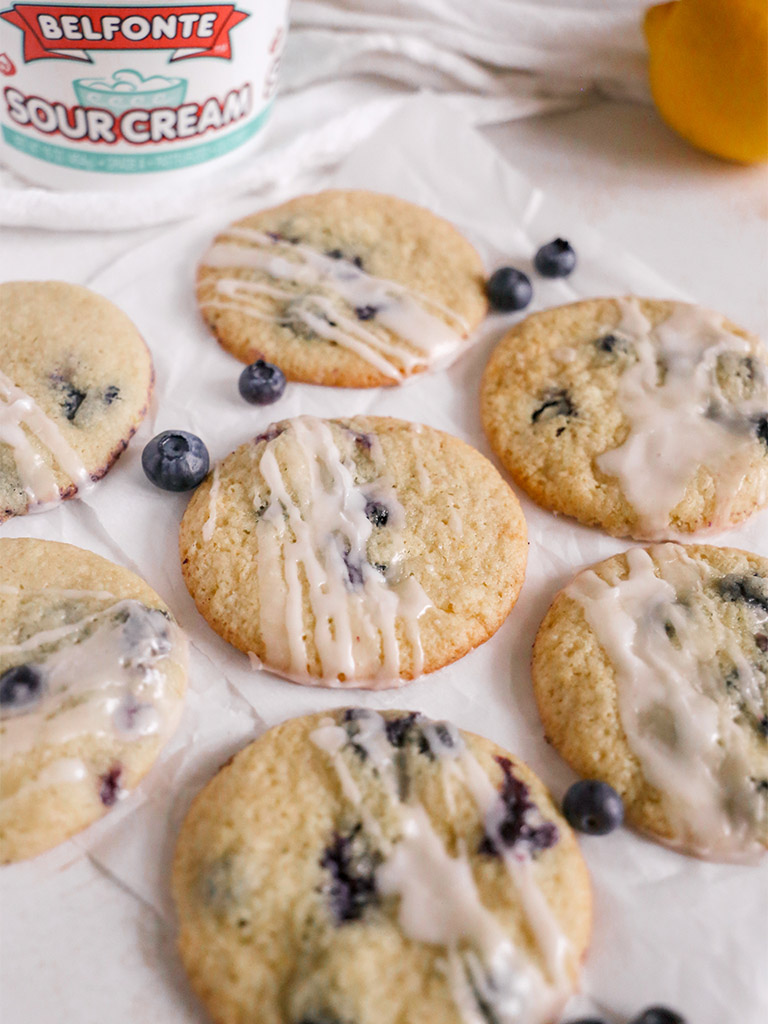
<point>702,223</point>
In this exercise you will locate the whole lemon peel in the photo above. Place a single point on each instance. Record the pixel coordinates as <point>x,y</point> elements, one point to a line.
<point>709,73</point>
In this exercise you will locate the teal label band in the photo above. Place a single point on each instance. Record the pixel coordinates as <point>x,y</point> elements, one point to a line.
<point>134,163</point>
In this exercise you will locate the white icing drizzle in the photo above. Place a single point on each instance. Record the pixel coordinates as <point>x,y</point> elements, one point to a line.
<point>19,410</point>
<point>315,528</point>
<point>213,496</point>
<point>107,680</point>
<point>403,313</point>
<point>682,421</point>
<point>45,637</point>
<point>343,330</point>
<point>673,702</point>
<point>439,900</point>
<point>550,938</point>
<point>331,738</point>
<point>440,904</point>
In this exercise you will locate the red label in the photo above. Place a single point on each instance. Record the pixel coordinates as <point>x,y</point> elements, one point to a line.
<point>68,32</point>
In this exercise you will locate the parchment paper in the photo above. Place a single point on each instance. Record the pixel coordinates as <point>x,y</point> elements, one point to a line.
<point>668,928</point>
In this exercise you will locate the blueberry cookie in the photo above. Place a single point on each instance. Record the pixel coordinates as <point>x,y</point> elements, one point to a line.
<point>347,288</point>
<point>75,382</point>
<point>366,868</point>
<point>651,673</point>
<point>644,417</point>
<point>358,552</point>
<point>92,678</point>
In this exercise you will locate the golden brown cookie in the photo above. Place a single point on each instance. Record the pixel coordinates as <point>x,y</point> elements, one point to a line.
<point>75,382</point>
<point>92,678</point>
<point>348,288</point>
<point>645,417</point>
<point>356,552</point>
<point>651,673</point>
<point>379,869</point>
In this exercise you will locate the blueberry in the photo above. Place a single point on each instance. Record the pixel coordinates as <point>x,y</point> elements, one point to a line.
<point>556,402</point>
<point>366,312</point>
<point>555,259</point>
<point>72,399</point>
<point>363,441</point>
<point>355,714</point>
<point>219,888</point>
<point>611,343</point>
<point>111,393</point>
<point>354,570</point>
<point>761,430</point>
<point>110,785</point>
<point>145,635</point>
<point>397,729</point>
<point>20,687</point>
<point>444,735</point>
<point>658,1015</point>
<point>593,807</point>
<point>337,254</point>
<point>261,383</point>
<point>352,868</point>
<point>587,1020</point>
<point>175,460</point>
<point>269,434</point>
<point>514,828</point>
<point>508,289</point>
<point>752,590</point>
<point>377,513</point>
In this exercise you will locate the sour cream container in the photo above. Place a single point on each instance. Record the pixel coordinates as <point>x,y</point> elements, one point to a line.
<point>113,95</point>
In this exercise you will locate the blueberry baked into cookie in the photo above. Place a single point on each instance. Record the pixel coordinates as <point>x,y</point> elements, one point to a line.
<point>379,868</point>
<point>648,418</point>
<point>92,679</point>
<point>75,382</point>
<point>357,552</point>
<point>348,288</point>
<point>651,673</point>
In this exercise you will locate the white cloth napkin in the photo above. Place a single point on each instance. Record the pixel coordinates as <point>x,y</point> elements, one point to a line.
<point>502,54</point>
<point>497,60</point>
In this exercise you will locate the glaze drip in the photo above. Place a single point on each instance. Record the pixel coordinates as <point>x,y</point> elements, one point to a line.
<point>106,674</point>
<point>679,417</point>
<point>676,663</point>
<point>312,547</point>
<point>18,410</point>
<point>439,902</point>
<point>332,297</point>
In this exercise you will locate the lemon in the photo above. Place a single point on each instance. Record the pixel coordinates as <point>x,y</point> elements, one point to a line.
<point>709,73</point>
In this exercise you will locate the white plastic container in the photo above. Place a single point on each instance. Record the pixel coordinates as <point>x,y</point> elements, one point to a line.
<point>111,95</point>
